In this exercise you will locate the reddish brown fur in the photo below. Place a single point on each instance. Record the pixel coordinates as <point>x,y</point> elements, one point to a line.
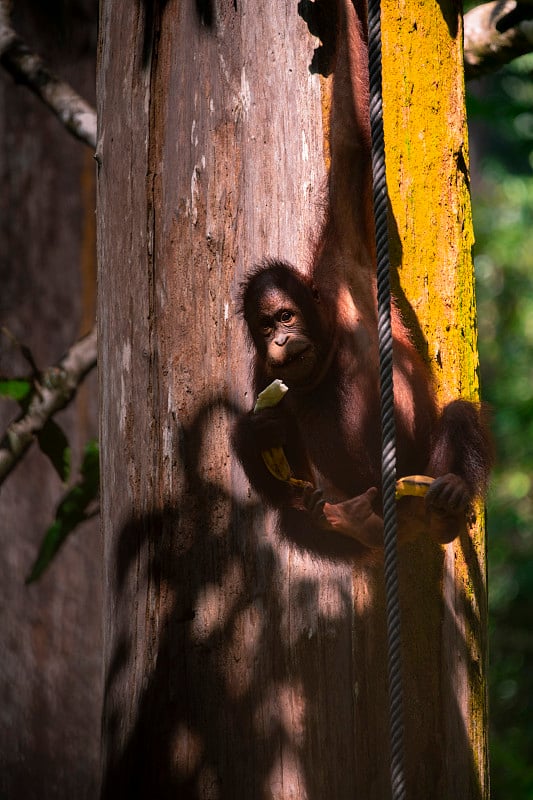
<point>329,426</point>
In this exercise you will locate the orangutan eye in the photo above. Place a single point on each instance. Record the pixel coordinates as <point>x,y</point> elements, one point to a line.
<point>286,316</point>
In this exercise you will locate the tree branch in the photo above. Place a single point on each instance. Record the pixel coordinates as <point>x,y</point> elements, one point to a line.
<point>56,388</point>
<point>496,33</point>
<point>29,69</point>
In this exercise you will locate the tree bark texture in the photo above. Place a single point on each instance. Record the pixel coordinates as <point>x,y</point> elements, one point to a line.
<point>431,242</point>
<point>50,632</point>
<point>236,666</point>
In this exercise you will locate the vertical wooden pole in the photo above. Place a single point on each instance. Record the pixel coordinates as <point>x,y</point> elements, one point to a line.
<point>432,237</point>
<point>236,666</point>
<point>221,641</point>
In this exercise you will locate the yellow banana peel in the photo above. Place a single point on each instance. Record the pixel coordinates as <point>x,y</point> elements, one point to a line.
<point>413,486</point>
<point>277,464</point>
<point>274,458</point>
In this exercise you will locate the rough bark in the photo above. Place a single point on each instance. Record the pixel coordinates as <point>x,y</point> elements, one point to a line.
<point>235,665</point>
<point>431,230</point>
<point>50,640</point>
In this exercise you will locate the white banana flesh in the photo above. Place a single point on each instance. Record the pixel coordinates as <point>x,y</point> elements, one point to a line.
<point>271,396</point>
<point>277,464</point>
<point>274,457</point>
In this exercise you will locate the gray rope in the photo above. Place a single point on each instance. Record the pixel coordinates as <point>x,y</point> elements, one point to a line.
<point>388,462</point>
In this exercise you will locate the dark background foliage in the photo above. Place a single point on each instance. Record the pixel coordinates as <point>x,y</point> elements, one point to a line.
<point>501,132</point>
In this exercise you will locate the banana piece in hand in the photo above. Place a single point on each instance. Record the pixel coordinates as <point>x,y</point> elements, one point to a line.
<point>277,463</point>
<point>271,396</point>
<point>413,486</point>
<point>274,457</point>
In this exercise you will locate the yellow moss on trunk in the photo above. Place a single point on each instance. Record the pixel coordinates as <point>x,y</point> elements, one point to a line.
<point>431,241</point>
<point>427,158</point>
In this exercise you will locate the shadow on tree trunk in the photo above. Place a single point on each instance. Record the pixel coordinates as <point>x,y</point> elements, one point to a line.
<point>222,687</point>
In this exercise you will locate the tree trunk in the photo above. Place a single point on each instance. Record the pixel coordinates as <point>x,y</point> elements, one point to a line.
<point>432,237</point>
<point>236,666</point>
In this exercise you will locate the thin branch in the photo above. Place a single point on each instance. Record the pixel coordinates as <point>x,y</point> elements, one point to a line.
<point>29,69</point>
<point>57,387</point>
<point>495,34</point>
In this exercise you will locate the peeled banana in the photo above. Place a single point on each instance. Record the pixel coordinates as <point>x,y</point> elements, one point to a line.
<point>271,396</point>
<point>274,458</point>
<point>277,464</point>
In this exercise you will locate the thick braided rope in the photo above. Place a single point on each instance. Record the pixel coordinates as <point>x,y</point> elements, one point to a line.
<point>388,464</point>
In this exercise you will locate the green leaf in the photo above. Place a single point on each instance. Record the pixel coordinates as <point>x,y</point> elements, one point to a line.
<point>90,467</point>
<point>71,511</point>
<point>54,444</point>
<point>15,388</point>
<point>54,538</point>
